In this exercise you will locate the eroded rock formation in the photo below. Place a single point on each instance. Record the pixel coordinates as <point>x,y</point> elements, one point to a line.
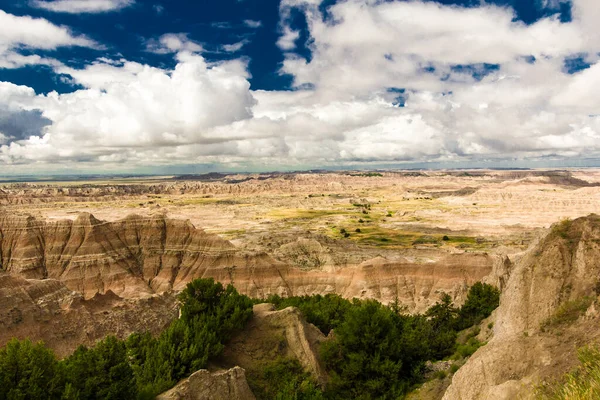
<point>274,334</point>
<point>203,385</point>
<point>47,310</point>
<point>141,256</point>
<point>563,267</point>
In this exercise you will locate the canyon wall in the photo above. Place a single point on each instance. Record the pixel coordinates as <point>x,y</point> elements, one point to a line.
<point>141,256</point>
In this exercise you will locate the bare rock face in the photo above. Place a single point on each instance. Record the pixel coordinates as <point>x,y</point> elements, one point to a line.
<point>415,285</point>
<point>140,256</point>
<point>203,385</point>
<point>133,257</point>
<point>47,310</point>
<point>562,267</point>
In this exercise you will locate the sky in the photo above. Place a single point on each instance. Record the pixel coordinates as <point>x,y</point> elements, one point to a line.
<point>157,86</point>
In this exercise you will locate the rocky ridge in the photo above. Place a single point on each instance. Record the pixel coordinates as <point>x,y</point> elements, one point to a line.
<point>561,269</point>
<point>273,334</point>
<point>139,256</point>
<point>203,385</point>
<point>47,310</point>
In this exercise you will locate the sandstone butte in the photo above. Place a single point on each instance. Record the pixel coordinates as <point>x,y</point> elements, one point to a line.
<point>56,272</point>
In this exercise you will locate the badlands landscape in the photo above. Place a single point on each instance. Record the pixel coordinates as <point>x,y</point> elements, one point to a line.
<point>81,260</point>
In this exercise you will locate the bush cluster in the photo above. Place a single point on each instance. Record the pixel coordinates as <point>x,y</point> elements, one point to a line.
<point>376,351</point>
<point>140,367</point>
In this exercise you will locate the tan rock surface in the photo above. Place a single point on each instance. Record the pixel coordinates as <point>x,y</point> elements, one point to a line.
<point>46,310</point>
<point>138,256</point>
<point>204,385</point>
<point>562,267</point>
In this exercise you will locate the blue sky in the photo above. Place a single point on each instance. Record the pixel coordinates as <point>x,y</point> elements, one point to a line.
<point>132,85</point>
<point>212,23</point>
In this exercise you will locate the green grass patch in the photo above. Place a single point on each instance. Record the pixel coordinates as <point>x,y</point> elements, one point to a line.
<point>305,214</point>
<point>582,383</point>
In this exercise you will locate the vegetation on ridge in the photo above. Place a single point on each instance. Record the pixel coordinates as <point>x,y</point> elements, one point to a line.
<point>376,351</point>
<point>140,367</point>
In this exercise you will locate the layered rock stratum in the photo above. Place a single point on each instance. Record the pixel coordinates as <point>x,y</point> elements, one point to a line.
<point>73,282</point>
<point>141,256</point>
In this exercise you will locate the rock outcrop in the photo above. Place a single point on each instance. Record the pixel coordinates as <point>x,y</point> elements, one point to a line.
<point>47,310</point>
<point>140,256</point>
<point>133,257</point>
<point>204,385</point>
<point>563,267</point>
<point>273,334</point>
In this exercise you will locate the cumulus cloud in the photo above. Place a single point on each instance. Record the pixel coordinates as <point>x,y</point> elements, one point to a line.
<point>473,82</point>
<point>386,82</point>
<point>21,124</point>
<point>129,110</point>
<point>82,6</point>
<point>19,119</point>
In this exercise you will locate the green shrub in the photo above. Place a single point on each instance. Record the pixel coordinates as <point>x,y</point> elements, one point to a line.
<point>440,375</point>
<point>210,314</point>
<point>366,356</point>
<point>101,372</point>
<point>29,371</point>
<point>467,349</point>
<point>282,379</point>
<point>325,312</point>
<point>482,299</point>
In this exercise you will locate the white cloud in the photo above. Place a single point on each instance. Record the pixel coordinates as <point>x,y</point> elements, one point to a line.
<point>131,110</point>
<point>25,32</point>
<point>252,24</point>
<point>37,33</point>
<point>82,6</point>
<point>235,47</point>
<point>173,43</point>
<point>134,114</point>
<point>287,40</point>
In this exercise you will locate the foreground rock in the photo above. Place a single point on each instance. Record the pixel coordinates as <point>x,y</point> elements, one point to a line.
<point>273,334</point>
<point>561,269</point>
<point>203,385</point>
